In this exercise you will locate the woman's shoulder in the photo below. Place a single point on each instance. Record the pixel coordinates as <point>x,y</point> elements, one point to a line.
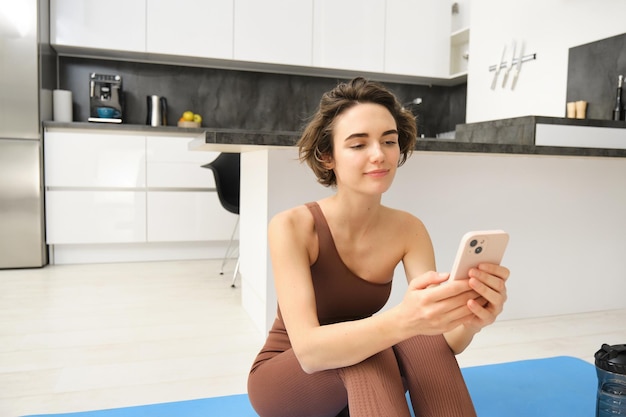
<point>296,218</point>
<point>292,229</point>
<point>402,221</point>
<point>402,215</point>
<point>296,213</point>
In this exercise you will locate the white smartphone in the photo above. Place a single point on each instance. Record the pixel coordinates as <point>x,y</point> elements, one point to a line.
<point>486,246</point>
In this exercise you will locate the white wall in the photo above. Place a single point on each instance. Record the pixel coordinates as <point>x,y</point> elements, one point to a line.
<point>271,181</point>
<point>566,217</point>
<point>548,28</point>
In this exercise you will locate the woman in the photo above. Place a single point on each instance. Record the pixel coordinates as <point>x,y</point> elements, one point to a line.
<point>333,263</point>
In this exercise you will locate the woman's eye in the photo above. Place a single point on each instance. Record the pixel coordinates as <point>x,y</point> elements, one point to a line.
<point>357,146</point>
<point>391,142</point>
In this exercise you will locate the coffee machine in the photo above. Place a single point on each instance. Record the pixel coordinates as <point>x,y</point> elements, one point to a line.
<point>105,98</point>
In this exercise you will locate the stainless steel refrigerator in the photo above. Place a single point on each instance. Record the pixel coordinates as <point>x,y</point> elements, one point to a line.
<point>27,77</point>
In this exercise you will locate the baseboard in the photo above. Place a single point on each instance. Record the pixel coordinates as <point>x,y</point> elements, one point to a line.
<point>136,252</point>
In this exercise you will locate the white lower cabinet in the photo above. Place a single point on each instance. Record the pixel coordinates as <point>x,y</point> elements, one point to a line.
<point>182,201</point>
<point>130,188</point>
<point>187,216</point>
<point>171,164</point>
<point>93,217</point>
<point>94,160</point>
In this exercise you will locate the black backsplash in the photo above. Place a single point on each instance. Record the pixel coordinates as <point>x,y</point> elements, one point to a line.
<point>592,75</point>
<point>243,99</point>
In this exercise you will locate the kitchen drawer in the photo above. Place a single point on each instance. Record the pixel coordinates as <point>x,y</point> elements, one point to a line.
<point>175,149</point>
<point>87,217</point>
<point>94,160</point>
<point>187,216</point>
<point>171,164</point>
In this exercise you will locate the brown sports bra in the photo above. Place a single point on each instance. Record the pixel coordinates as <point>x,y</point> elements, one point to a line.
<point>340,295</point>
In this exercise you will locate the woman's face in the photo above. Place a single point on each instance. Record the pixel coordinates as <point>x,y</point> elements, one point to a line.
<point>366,150</point>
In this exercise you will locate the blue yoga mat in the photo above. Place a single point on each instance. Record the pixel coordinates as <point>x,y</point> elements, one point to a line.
<point>552,387</point>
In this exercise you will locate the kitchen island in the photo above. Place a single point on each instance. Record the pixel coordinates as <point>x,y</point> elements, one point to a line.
<point>562,205</point>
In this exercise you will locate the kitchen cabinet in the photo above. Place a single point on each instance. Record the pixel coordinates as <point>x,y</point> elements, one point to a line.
<point>95,216</point>
<point>114,25</point>
<point>187,217</point>
<point>111,188</point>
<point>417,38</point>
<point>171,164</point>
<point>274,31</point>
<point>388,37</point>
<point>94,160</point>
<point>95,188</point>
<point>198,28</point>
<point>182,202</point>
<point>349,34</point>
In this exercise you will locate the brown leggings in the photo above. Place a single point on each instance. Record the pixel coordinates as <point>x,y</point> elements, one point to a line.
<point>373,388</point>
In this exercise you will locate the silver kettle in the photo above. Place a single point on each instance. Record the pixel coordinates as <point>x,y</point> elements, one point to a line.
<point>157,111</point>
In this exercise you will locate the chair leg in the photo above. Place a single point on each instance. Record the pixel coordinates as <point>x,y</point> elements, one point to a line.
<point>232,284</point>
<point>228,249</point>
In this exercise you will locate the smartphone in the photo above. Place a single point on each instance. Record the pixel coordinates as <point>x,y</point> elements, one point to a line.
<point>486,246</point>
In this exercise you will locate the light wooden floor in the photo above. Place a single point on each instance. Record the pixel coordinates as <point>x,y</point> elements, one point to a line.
<point>85,337</point>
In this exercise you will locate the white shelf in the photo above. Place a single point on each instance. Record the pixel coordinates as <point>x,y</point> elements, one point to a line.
<point>459,47</point>
<point>460,36</point>
<point>459,77</point>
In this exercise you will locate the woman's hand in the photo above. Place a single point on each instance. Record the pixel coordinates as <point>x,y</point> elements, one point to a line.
<point>489,281</point>
<point>429,308</point>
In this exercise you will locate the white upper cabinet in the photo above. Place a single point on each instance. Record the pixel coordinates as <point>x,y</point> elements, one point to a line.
<point>349,34</point>
<point>114,24</point>
<point>395,37</point>
<point>273,31</point>
<point>198,28</point>
<point>417,40</point>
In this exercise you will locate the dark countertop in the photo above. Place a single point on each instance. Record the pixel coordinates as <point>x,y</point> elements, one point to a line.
<point>507,136</point>
<point>517,135</point>
<point>123,127</point>
<point>521,130</point>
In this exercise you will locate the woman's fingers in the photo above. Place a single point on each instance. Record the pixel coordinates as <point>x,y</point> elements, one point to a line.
<point>490,282</point>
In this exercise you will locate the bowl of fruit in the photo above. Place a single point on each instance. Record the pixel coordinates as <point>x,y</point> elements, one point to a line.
<point>190,119</point>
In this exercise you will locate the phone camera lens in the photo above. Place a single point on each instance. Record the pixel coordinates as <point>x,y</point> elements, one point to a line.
<point>473,243</point>
<point>478,249</point>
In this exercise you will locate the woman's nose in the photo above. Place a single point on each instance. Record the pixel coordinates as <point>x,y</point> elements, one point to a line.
<point>377,154</point>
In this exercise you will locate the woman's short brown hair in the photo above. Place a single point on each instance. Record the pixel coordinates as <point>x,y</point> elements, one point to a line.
<point>316,141</point>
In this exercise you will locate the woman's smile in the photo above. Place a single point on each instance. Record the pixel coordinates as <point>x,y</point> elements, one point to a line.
<point>377,173</point>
